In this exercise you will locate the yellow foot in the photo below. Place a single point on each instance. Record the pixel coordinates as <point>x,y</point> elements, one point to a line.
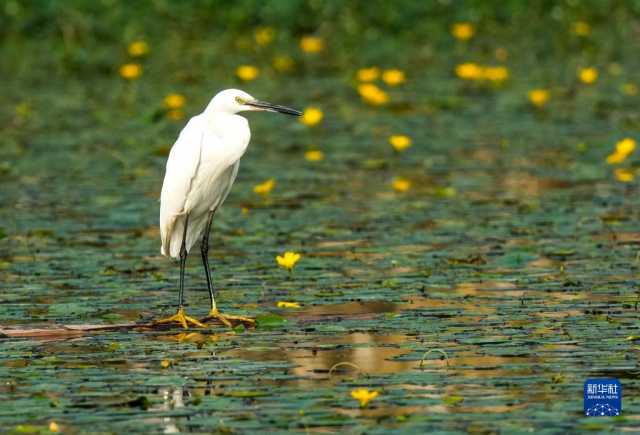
<point>181,318</point>
<point>228,320</point>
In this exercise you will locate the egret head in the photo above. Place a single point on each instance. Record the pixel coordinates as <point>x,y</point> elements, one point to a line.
<point>234,101</point>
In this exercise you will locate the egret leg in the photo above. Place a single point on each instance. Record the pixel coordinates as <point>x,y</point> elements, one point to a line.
<point>204,250</point>
<point>214,313</point>
<point>181,317</point>
<point>183,261</point>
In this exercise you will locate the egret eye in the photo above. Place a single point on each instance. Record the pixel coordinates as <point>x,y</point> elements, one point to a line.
<point>240,100</point>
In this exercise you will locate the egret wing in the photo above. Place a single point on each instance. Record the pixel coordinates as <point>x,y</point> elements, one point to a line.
<point>208,197</point>
<point>182,167</point>
<point>232,177</point>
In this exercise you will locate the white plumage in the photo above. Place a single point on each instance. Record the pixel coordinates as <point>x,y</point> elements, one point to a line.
<point>202,165</point>
<point>201,168</point>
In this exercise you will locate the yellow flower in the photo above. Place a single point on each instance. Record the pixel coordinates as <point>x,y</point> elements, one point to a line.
<point>469,71</point>
<point>130,71</point>
<point>588,75</point>
<point>368,74</point>
<point>400,142</point>
<point>165,363</point>
<point>401,184</point>
<point>264,35</point>
<point>626,146</point>
<point>539,97</point>
<point>581,28</point>
<point>623,149</point>
<point>138,48</point>
<point>245,211</point>
<point>373,94</point>
<point>288,260</point>
<point>54,427</point>
<point>265,187</point>
<point>175,114</point>
<point>615,158</point>
<point>364,396</point>
<point>495,73</point>
<point>311,116</point>
<point>283,304</point>
<point>393,77</point>
<point>630,89</point>
<point>247,72</point>
<point>624,175</point>
<point>174,101</point>
<point>283,63</point>
<point>473,71</point>
<point>311,44</point>
<point>462,31</point>
<point>314,155</point>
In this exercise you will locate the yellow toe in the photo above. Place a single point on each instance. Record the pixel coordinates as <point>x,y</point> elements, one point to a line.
<point>181,318</point>
<point>228,320</point>
<point>195,322</point>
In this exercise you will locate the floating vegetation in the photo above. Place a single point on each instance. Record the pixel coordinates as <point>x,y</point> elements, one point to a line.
<point>447,242</point>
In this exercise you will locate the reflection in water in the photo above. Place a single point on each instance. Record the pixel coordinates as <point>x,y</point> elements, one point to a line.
<point>373,354</point>
<point>172,398</point>
<point>520,184</point>
<point>347,310</point>
<point>378,353</point>
<point>474,364</point>
<point>190,337</point>
<point>396,411</point>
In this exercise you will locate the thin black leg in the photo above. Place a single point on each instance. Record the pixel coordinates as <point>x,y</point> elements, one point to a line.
<point>204,250</point>
<point>183,259</point>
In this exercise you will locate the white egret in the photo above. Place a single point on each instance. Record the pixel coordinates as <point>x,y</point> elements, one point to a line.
<point>201,168</point>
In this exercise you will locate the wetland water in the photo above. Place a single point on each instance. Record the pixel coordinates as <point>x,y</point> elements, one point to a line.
<point>525,301</point>
<point>477,300</point>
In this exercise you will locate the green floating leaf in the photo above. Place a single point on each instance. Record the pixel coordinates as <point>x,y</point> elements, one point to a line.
<point>270,321</point>
<point>517,259</point>
<point>40,233</point>
<point>248,394</point>
<point>453,400</point>
<point>472,259</point>
<point>593,426</point>
<point>70,309</point>
<point>328,293</point>
<point>374,164</point>
<point>390,283</point>
<point>28,428</point>
<point>561,253</point>
<point>445,192</point>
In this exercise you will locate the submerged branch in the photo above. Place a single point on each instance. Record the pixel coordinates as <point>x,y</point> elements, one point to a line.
<point>54,332</point>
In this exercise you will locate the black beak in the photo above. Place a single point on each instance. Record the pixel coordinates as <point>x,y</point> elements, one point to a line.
<point>273,107</point>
